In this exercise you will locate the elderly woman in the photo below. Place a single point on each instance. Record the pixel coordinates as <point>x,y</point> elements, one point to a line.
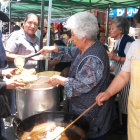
<point>119,31</point>
<point>88,74</point>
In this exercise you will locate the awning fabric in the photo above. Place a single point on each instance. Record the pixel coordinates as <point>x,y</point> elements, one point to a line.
<point>65,8</point>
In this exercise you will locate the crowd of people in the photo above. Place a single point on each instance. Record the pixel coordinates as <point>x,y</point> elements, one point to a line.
<point>87,77</point>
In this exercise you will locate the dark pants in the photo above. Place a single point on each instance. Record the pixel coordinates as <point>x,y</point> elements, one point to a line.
<point>2,129</point>
<point>98,138</point>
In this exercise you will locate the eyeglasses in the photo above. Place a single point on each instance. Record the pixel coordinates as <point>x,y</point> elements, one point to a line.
<point>32,23</point>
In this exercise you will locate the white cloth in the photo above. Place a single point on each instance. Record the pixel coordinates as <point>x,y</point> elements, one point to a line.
<point>133,49</point>
<point>123,94</point>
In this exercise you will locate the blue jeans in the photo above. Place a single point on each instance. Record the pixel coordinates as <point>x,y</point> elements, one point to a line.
<point>13,101</point>
<point>98,138</point>
<point>2,129</point>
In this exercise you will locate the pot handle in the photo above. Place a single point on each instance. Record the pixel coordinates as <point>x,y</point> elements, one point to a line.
<point>16,120</point>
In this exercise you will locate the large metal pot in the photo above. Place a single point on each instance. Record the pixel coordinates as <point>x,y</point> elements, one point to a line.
<point>30,101</point>
<point>33,127</point>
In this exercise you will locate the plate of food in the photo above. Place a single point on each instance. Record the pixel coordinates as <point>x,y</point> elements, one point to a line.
<point>25,75</point>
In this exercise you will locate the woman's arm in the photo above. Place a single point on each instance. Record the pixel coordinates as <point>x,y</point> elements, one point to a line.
<point>86,78</point>
<point>60,53</point>
<point>88,75</point>
<point>113,56</point>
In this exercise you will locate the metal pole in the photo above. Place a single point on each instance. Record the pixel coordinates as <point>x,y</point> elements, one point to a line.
<point>125,12</point>
<point>10,16</point>
<point>90,5</point>
<point>48,29</point>
<point>42,23</point>
<point>49,22</point>
<point>0,20</point>
<point>41,62</point>
<point>107,22</point>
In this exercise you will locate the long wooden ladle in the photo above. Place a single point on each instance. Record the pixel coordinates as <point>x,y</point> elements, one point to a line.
<point>76,120</point>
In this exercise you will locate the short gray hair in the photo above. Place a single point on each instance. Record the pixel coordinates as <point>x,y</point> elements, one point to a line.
<point>83,24</point>
<point>29,15</point>
<point>122,24</point>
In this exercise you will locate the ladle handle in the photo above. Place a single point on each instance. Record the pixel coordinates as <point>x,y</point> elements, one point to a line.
<point>76,119</point>
<point>32,55</point>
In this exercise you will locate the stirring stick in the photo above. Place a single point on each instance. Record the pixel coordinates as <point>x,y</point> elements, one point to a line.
<point>76,119</point>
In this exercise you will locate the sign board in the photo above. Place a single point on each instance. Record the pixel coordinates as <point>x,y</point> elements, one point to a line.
<point>59,20</point>
<point>120,12</point>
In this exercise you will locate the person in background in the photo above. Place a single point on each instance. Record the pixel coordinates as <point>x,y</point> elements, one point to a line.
<point>8,84</point>
<point>5,29</point>
<point>130,70</point>
<point>21,25</point>
<point>103,41</point>
<point>4,103</point>
<point>88,74</point>
<point>69,42</point>
<point>45,37</point>
<point>12,26</point>
<point>54,63</point>
<point>38,32</point>
<point>16,28</point>
<point>101,31</point>
<point>119,31</point>
<point>60,66</point>
<point>59,30</point>
<point>24,42</point>
<point>3,59</point>
<point>136,19</point>
<point>3,65</point>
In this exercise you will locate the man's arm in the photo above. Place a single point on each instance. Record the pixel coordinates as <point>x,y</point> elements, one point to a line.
<point>116,85</point>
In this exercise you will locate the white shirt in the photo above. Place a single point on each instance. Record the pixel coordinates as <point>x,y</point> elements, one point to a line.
<point>131,53</point>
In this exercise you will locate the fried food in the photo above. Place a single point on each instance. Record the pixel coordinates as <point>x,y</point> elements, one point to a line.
<point>48,73</point>
<point>47,131</point>
<point>25,75</point>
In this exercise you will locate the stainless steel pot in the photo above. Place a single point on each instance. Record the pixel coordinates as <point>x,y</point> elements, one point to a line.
<point>31,101</point>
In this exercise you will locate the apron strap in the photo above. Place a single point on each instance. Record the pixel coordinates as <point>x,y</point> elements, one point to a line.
<point>138,51</point>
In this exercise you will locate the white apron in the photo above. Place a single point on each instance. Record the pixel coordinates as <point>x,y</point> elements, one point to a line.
<point>134,101</point>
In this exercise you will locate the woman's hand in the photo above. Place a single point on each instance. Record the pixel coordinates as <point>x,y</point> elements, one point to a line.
<point>101,97</point>
<point>48,49</point>
<point>56,79</point>
<point>12,84</point>
<point>9,72</point>
<point>113,56</point>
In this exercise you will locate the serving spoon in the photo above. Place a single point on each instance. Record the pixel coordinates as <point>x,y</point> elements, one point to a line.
<point>21,60</point>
